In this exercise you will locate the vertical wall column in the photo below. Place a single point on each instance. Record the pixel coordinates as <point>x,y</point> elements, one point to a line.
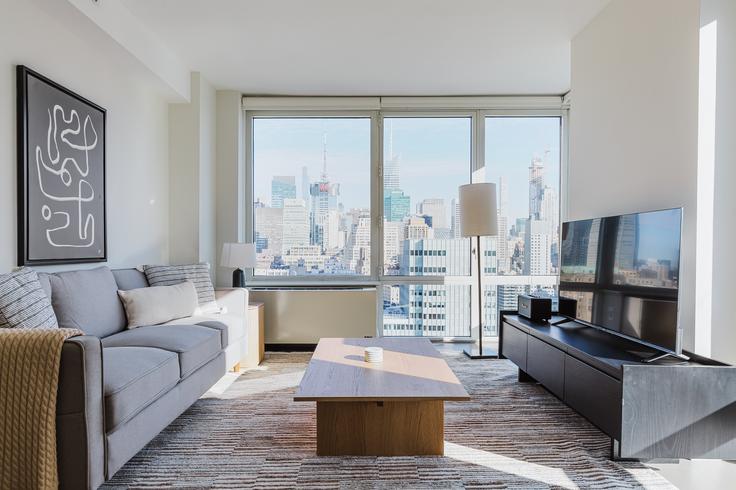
<point>718,20</point>
<point>231,178</point>
<point>192,178</point>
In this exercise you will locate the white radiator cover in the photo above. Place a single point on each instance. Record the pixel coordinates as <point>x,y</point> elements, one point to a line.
<point>296,316</point>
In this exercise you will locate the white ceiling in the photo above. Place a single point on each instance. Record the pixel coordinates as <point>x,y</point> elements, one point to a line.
<point>373,47</point>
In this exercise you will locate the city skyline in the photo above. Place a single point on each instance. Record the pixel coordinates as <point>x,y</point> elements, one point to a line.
<point>309,221</point>
<point>433,154</point>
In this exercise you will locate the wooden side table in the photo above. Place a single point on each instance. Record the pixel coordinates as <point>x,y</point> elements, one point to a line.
<point>255,335</point>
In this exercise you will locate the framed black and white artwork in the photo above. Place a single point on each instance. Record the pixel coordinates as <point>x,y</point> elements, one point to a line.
<point>61,174</point>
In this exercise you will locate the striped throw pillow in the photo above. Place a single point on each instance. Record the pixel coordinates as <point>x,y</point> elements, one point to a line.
<point>198,274</point>
<point>23,302</point>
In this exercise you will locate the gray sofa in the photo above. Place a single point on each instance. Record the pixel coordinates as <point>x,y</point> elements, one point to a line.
<point>119,388</point>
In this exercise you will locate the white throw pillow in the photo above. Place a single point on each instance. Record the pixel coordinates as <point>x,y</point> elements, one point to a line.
<point>159,304</point>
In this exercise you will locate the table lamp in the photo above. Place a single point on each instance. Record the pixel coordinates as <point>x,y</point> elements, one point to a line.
<point>478,217</point>
<point>238,256</point>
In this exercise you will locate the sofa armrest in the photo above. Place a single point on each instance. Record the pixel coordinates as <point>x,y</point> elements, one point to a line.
<point>235,300</point>
<point>80,426</point>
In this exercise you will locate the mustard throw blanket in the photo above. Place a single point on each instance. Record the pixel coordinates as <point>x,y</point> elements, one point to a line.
<point>29,375</point>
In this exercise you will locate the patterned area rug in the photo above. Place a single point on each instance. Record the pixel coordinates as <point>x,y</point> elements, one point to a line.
<point>510,435</point>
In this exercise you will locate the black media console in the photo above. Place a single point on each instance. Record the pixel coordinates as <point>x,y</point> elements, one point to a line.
<point>661,410</point>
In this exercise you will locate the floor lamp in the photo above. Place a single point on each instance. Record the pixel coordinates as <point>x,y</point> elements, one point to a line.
<point>478,217</point>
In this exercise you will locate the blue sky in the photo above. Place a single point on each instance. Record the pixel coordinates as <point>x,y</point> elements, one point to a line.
<point>434,154</point>
<point>659,235</point>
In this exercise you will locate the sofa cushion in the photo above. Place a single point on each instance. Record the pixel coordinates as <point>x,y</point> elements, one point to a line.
<point>158,304</point>
<point>130,279</point>
<point>88,300</point>
<point>197,274</point>
<point>134,378</point>
<point>231,327</point>
<point>23,303</point>
<point>195,345</point>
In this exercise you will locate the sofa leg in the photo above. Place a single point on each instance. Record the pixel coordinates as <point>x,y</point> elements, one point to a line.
<point>236,368</point>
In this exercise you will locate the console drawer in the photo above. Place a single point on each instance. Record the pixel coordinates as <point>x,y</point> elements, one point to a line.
<point>595,395</point>
<point>546,364</point>
<point>513,345</point>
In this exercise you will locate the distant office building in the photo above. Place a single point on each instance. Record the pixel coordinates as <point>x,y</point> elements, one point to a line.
<point>431,257</point>
<point>393,235</point>
<point>282,187</point>
<point>455,218</point>
<point>268,230</point>
<point>503,195</point>
<point>391,181</point>
<point>437,310</point>
<point>536,187</point>
<point>501,246</point>
<point>296,225</point>
<point>490,246</point>
<point>508,295</point>
<point>416,228</point>
<point>537,248</point>
<point>435,208</point>
<point>519,227</point>
<point>305,184</point>
<point>306,259</point>
<point>358,246</point>
<point>396,205</point>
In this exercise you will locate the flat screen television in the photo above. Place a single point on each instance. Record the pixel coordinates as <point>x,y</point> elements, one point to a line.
<point>622,273</point>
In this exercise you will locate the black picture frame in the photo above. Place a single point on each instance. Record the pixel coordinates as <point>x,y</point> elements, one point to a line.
<point>30,224</point>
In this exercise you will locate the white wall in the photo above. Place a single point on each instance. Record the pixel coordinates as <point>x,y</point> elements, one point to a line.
<point>633,120</point>
<point>56,40</point>
<point>192,150</point>
<point>230,175</point>
<point>723,333</point>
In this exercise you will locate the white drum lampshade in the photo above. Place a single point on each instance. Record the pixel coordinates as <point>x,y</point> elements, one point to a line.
<point>238,256</point>
<point>478,210</point>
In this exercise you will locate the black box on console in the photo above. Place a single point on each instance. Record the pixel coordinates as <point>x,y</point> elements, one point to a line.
<point>534,308</point>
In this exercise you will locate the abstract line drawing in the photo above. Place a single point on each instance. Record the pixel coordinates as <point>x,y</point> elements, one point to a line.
<point>61,171</point>
<point>84,191</point>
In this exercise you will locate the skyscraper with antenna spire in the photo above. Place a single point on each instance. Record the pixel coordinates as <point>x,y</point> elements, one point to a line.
<point>391,180</point>
<point>324,197</point>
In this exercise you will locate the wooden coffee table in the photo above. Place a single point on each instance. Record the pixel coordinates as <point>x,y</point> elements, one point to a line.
<point>395,408</point>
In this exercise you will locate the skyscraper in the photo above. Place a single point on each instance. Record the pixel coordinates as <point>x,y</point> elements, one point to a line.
<point>536,187</point>
<point>537,248</point>
<point>396,205</point>
<point>282,187</point>
<point>358,246</point>
<point>436,209</point>
<point>324,198</point>
<point>391,179</point>
<point>305,184</point>
<point>455,217</point>
<point>417,229</point>
<point>269,230</point>
<point>296,225</point>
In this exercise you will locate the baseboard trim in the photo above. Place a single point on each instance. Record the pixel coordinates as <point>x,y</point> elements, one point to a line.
<point>290,347</point>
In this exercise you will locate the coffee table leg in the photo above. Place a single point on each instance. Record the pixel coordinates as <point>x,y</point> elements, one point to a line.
<point>380,428</point>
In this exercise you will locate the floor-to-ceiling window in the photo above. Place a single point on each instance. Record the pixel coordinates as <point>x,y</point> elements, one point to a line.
<point>311,188</point>
<point>350,198</point>
<point>425,160</point>
<point>522,156</point>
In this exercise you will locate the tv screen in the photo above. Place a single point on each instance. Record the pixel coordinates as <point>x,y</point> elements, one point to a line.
<point>622,273</point>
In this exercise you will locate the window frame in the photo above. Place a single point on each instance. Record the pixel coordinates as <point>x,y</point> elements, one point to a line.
<point>477,108</point>
<point>304,280</point>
